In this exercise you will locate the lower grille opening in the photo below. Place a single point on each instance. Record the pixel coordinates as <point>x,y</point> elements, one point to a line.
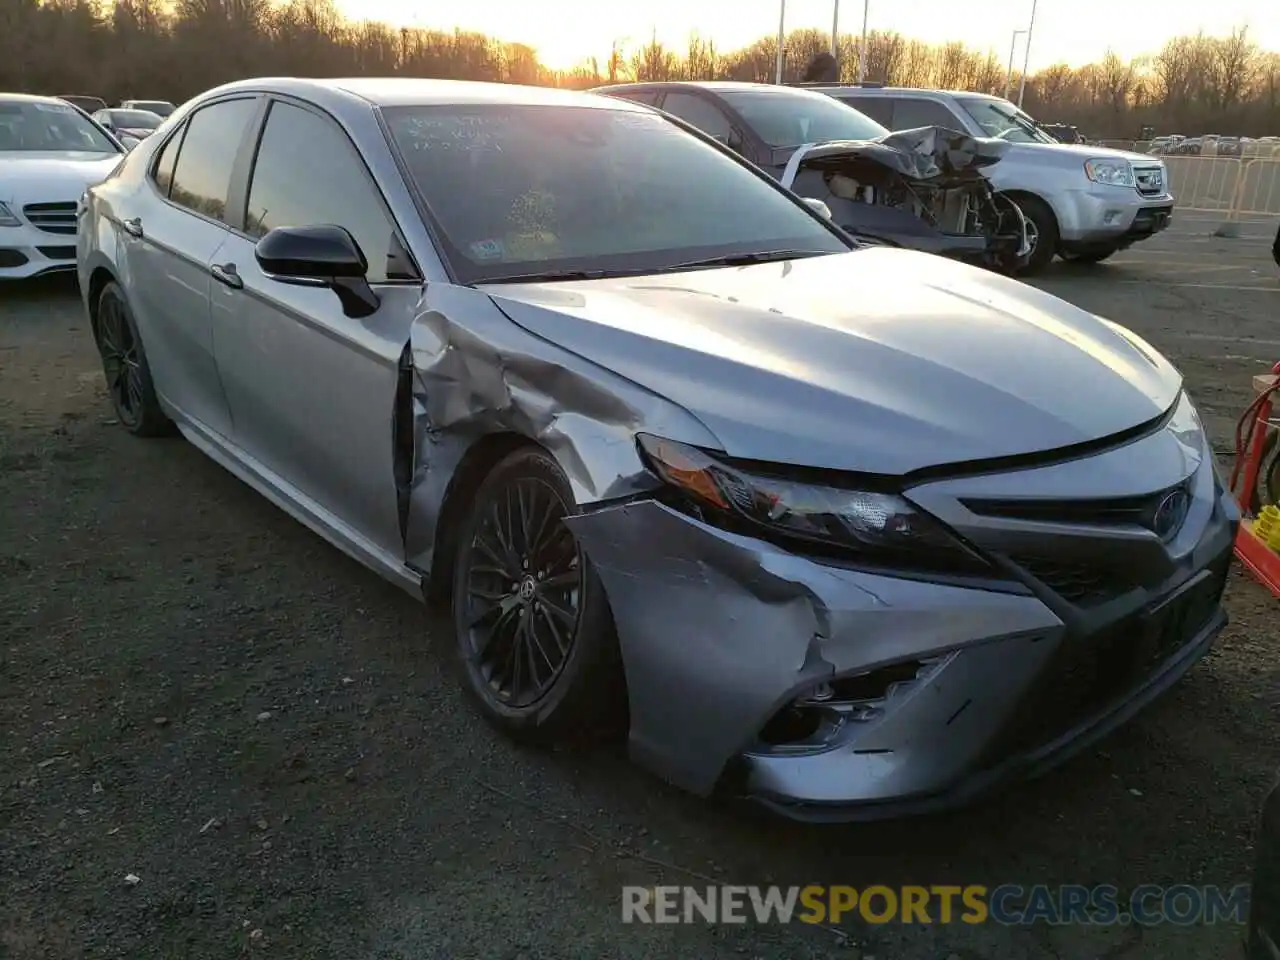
<point>1088,673</point>
<point>12,258</point>
<point>791,724</point>
<point>1084,584</point>
<point>813,717</point>
<point>58,253</point>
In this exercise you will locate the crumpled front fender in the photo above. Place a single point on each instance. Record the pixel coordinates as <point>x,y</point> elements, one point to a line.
<point>469,372</point>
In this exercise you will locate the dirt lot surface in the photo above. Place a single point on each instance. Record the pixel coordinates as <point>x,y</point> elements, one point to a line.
<point>197,691</point>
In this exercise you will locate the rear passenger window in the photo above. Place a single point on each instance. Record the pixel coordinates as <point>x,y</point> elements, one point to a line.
<point>910,114</point>
<point>879,109</point>
<point>202,175</point>
<point>163,171</point>
<point>700,112</point>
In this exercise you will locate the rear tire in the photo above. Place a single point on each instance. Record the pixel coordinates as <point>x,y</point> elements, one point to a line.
<point>124,364</point>
<point>1267,488</point>
<point>1044,227</point>
<point>535,637</point>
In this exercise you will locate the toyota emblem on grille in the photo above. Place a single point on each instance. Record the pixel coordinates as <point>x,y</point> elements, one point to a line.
<point>1170,513</point>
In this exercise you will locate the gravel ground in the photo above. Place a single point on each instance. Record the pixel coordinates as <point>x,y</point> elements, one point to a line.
<point>197,691</point>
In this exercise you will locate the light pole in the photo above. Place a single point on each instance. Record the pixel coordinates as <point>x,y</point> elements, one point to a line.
<point>862,50</point>
<point>1008,77</point>
<point>835,29</point>
<point>782,26</point>
<point>1026,55</point>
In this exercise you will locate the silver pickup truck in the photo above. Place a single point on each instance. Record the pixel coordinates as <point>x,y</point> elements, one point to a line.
<point>1082,203</point>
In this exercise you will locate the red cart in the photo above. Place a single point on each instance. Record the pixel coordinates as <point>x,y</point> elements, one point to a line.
<point>1255,480</point>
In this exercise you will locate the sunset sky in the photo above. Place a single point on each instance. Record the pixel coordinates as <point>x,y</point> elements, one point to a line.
<point>564,32</point>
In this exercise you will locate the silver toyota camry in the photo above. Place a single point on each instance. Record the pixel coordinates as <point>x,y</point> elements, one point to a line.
<point>853,532</point>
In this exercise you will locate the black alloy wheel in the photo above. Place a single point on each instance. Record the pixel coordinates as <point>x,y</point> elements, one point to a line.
<point>523,590</point>
<point>536,640</point>
<point>124,365</point>
<point>120,362</point>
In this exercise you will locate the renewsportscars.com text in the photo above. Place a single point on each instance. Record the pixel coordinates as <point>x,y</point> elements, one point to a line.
<point>1008,904</point>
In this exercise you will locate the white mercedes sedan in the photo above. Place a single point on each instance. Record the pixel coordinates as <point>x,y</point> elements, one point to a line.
<point>50,153</point>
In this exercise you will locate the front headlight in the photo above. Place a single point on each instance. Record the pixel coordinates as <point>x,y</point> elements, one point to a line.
<point>7,217</point>
<point>878,527</point>
<point>1112,173</point>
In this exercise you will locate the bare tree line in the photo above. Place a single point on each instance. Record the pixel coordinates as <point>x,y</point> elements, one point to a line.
<point>150,49</point>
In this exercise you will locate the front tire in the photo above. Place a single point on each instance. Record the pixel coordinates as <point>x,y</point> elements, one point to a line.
<point>124,364</point>
<point>535,638</point>
<point>1043,227</point>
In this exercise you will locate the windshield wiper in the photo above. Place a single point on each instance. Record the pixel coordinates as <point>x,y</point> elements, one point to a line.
<point>550,276</point>
<point>1019,123</point>
<point>746,259</point>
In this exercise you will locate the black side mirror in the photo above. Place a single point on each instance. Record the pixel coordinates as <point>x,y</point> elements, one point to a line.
<point>323,255</point>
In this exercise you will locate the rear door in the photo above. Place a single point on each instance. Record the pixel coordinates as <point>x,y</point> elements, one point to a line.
<point>170,243</point>
<point>311,389</point>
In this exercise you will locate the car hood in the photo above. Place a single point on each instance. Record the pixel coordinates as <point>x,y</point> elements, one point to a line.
<point>879,360</point>
<point>51,176</point>
<point>1081,150</point>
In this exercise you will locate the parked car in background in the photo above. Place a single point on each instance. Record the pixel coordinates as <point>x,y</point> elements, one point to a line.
<point>922,189</point>
<point>847,530</point>
<point>1084,203</point>
<point>49,153</point>
<point>161,108</point>
<point>1063,132</point>
<point>87,104</point>
<point>129,126</point>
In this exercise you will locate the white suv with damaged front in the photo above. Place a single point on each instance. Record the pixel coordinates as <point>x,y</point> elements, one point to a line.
<point>849,531</point>
<point>49,153</point>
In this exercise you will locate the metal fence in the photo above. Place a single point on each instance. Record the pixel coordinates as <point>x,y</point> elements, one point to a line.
<point>1236,188</point>
<point>1259,149</point>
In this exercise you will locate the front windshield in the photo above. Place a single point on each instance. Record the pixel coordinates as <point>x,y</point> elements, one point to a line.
<point>135,119</point>
<point>1000,118</point>
<point>520,189</point>
<point>28,127</point>
<point>784,118</point>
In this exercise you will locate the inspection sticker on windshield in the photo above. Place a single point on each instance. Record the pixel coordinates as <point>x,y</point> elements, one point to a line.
<point>487,250</point>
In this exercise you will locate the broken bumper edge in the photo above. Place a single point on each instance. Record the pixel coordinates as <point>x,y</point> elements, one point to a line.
<point>721,635</point>
<point>1021,767</point>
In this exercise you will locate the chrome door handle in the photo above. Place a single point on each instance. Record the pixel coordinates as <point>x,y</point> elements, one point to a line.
<point>132,227</point>
<point>226,274</point>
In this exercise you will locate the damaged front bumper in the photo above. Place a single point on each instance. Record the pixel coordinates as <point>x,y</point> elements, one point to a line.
<point>829,693</point>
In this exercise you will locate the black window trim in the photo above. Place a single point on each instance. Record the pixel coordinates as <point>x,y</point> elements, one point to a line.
<point>181,130</point>
<point>247,162</point>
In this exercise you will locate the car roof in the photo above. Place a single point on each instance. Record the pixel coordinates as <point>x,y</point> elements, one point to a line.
<point>899,91</point>
<point>29,98</point>
<point>410,91</point>
<point>714,86</point>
